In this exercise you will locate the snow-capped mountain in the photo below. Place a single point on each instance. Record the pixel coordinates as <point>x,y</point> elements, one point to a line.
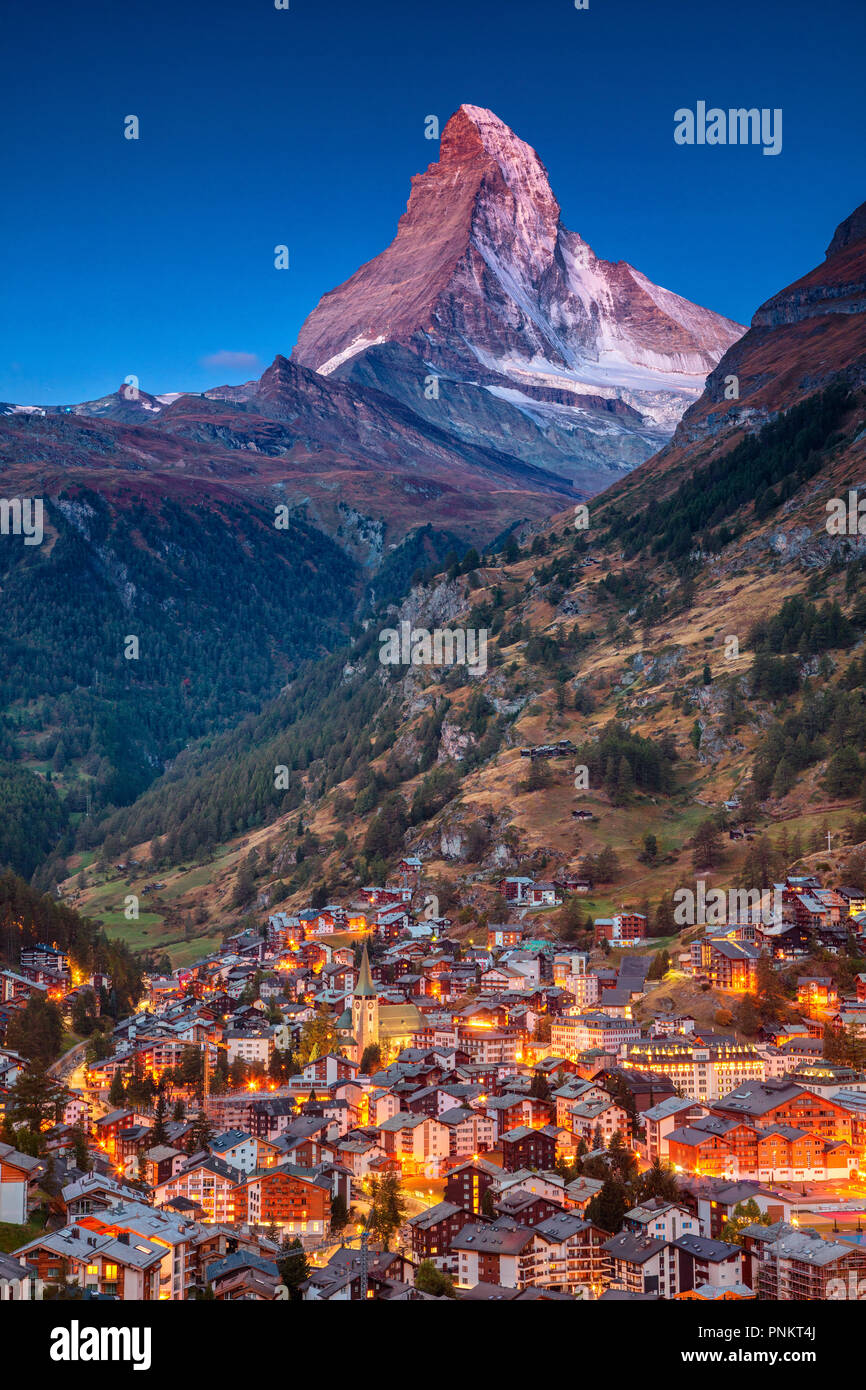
<point>580,364</point>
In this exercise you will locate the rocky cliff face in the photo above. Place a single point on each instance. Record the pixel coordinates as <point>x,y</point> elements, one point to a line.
<point>808,334</point>
<point>582,364</point>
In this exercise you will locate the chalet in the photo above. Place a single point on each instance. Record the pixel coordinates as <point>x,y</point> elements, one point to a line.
<point>466,1184</point>
<point>132,1141</point>
<point>623,929</point>
<point>573,1091</point>
<point>855,899</point>
<point>805,909</point>
<point>645,1087</point>
<point>726,963</point>
<point>659,1220</point>
<point>387,897</point>
<point>19,1173</point>
<point>573,883</point>
<point>359,1153</point>
<point>161,1162</point>
<point>17,1281</point>
<point>560,749</point>
<point>207,1181</point>
<point>119,1266</point>
<point>243,1275</point>
<point>470,1131</point>
<point>588,1118</point>
<point>390,922</point>
<point>790,1263</point>
<point>511,1110</point>
<point>525,1207</point>
<point>543,893</point>
<point>783,940</point>
<point>700,1260</point>
<point>45,958</point>
<point>330,1069</point>
<point>515,889</point>
<point>340,1279</point>
<point>247,944</point>
<point>281,931</point>
<point>18,988</point>
<point>266,1119</point>
<point>501,978</point>
<point>237,1148</point>
<point>433,1231</point>
<point>528,1148</point>
<point>639,1265</point>
<point>94,1193</point>
<point>816,995</point>
<point>770,1103</point>
<point>415,1140</point>
<point>502,935</point>
<point>500,1252</point>
<point>570,1255</point>
<point>309,1140</point>
<point>737,1149</point>
<point>293,1198</point>
<point>661,1119</point>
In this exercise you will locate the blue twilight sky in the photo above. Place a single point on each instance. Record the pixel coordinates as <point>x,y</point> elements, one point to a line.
<point>261,126</point>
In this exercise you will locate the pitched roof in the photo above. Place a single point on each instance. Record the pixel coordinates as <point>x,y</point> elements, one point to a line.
<point>633,1247</point>
<point>493,1239</point>
<point>705,1249</point>
<point>442,1211</point>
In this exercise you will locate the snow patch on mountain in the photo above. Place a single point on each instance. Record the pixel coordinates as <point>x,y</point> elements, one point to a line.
<point>356,346</point>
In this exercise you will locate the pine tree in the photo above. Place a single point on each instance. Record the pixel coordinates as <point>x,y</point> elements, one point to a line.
<point>200,1134</point>
<point>659,1180</point>
<point>293,1267</point>
<point>434,1281</point>
<point>387,1208</point>
<point>538,1087</point>
<point>748,1017</point>
<point>81,1151</point>
<point>339,1213</point>
<point>608,1207</point>
<point>664,923</point>
<point>117,1090</point>
<point>33,1100</point>
<point>158,1133</point>
<point>371,1060</point>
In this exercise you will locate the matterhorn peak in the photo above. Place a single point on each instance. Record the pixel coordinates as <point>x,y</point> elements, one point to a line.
<point>474,130</point>
<point>484,285</point>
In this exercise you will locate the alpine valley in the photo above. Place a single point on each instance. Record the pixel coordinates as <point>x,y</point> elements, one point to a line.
<point>699,641</point>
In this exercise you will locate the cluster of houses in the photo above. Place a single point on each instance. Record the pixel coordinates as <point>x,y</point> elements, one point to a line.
<point>498,1141</point>
<point>805,916</point>
<point>44,971</point>
<point>540,1240</point>
<point>487,1071</point>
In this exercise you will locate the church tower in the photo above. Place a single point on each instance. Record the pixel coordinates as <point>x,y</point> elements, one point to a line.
<point>365,1008</point>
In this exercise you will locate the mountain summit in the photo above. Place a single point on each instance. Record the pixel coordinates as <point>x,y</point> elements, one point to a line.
<point>582,364</point>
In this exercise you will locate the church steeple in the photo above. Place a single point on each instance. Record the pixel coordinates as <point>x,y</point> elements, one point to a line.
<point>365,1008</point>
<point>365,989</point>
